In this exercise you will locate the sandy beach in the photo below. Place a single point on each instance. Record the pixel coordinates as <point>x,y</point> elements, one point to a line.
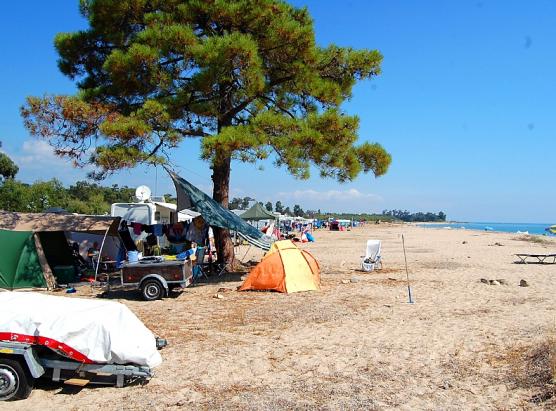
<point>357,343</point>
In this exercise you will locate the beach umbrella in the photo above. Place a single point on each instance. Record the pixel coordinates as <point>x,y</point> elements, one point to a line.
<point>551,229</point>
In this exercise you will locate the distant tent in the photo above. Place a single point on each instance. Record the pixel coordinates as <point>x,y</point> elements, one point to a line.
<point>190,197</point>
<point>56,210</point>
<point>286,269</point>
<point>257,213</point>
<point>33,243</point>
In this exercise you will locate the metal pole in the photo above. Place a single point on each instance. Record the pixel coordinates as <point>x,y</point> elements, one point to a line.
<point>155,180</point>
<point>100,252</point>
<point>245,255</point>
<point>407,272</point>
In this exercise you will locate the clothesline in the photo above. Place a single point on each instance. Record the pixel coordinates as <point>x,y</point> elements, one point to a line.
<point>196,231</point>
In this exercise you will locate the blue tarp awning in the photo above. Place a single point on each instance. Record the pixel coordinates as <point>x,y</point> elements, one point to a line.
<point>190,197</point>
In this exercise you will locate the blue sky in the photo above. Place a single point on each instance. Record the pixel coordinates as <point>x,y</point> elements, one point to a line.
<point>465,105</point>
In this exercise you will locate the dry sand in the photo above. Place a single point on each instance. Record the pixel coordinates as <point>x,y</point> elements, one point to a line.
<point>360,345</point>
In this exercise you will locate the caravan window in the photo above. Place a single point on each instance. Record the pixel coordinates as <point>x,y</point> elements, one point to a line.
<point>157,216</point>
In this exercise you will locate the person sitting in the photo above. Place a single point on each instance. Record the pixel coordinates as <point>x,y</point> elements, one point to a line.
<point>92,254</point>
<point>79,262</point>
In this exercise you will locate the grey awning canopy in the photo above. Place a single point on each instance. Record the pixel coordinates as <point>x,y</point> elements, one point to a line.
<point>40,222</point>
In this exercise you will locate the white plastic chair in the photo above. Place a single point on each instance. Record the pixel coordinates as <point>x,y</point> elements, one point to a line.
<point>372,258</point>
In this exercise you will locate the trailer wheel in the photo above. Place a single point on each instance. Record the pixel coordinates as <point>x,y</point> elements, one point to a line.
<point>16,381</point>
<point>152,290</point>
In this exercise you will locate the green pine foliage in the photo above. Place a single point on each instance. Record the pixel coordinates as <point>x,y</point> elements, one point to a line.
<point>244,76</point>
<point>8,169</point>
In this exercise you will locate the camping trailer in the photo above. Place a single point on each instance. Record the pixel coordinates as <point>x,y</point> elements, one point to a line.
<point>149,213</point>
<point>155,212</point>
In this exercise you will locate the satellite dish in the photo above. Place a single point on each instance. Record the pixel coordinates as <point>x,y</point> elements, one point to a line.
<point>142,193</point>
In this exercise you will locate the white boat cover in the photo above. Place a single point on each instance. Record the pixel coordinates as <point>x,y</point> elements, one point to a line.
<point>88,331</point>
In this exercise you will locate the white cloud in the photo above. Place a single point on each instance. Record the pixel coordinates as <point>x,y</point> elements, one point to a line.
<point>37,154</point>
<point>330,195</point>
<point>36,161</point>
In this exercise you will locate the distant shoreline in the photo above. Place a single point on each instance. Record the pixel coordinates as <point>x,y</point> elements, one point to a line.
<point>515,228</point>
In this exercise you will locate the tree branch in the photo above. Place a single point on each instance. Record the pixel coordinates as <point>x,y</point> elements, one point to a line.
<point>157,147</point>
<point>235,110</point>
<point>279,107</point>
<point>192,133</point>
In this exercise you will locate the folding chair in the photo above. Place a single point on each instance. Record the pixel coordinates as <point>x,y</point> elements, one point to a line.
<point>372,256</point>
<point>213,265</point>
<point>199,269</point>
<point>204,269</point>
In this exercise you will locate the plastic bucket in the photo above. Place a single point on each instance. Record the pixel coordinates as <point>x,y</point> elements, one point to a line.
<point>133,256</point>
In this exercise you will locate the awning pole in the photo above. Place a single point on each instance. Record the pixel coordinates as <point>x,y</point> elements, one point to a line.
<point>245,255</point>
<point>100,252</point>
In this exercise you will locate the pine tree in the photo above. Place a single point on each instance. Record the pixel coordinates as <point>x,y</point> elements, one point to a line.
<point>244,76</point>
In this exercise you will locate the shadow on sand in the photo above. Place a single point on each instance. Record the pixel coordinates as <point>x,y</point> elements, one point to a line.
<point>117,293</point>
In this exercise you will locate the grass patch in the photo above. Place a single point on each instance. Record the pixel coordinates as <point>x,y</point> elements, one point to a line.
<point>536,239</point>
<point>533,367</point>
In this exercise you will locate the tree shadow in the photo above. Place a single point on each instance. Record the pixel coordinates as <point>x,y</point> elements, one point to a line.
<point>229,277</point>
<point>134,295</point>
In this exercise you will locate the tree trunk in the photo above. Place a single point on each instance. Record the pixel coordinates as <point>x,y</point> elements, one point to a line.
<point>221,179</point>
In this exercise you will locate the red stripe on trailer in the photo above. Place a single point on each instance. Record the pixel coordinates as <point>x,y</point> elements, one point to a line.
<point>47,342</point>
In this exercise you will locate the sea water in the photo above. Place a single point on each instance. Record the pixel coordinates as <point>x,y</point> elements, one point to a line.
<point>530,228</point>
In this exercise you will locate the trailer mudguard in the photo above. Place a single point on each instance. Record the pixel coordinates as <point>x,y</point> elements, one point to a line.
<point>26,351</point>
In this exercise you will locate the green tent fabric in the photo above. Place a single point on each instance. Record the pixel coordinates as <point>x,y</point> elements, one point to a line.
<point>191,198</point>
<point>19,264</point>
<point>257,212</point>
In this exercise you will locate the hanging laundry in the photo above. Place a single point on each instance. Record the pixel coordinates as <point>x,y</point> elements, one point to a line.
<point>137,228</point>
<point>157,230</point>
<point>176,233</point>
<point>140,246</point>
<point>151,240</point>
<point>126,240</point>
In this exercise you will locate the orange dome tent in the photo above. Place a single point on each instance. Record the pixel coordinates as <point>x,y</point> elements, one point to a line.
<point>285,268</point>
